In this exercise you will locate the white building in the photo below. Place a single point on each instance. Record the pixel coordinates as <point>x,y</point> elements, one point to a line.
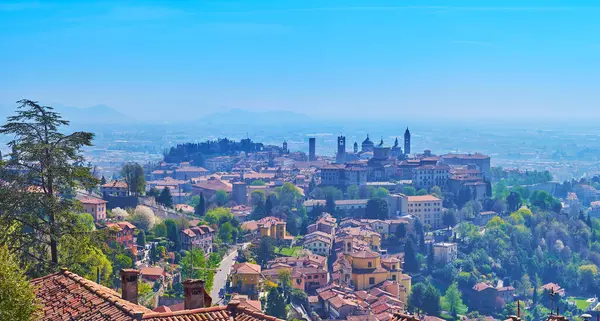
<point>445,253</point>
<point>429,176</point>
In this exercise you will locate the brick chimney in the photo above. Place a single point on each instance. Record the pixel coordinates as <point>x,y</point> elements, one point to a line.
<point>193,293</point>
<point>129,285</point>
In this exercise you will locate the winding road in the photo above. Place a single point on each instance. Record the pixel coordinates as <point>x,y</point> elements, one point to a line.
<point>221,278</point>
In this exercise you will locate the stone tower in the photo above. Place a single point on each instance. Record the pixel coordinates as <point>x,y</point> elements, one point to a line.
<point>407,142</point>
<point>239,193</point>
<point>355,148</point>
<point>312,142</point>
<point>285,147</point>
<point>340,157</point>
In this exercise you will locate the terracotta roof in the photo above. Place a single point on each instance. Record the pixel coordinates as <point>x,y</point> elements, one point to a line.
<point>92,200</point>
<point>245,268</point>
<point>188,232</point>
<point>194,222</point>
<point>65,295</point>
<point>151,271</point>
<point>423,198</point>
<point>365,254</point>
<point>481,286</point>
<point>232,312</point>
<point>184,208</point>
<point>404,317</point>
<point>213,185</point>
<point>115,184</point>
<point>191,169</point>
<point>250,226</point>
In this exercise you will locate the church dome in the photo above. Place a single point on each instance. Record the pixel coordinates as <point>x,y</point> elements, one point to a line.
<point>368,142</point>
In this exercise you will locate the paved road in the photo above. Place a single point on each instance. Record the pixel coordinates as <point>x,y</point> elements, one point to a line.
<point>221,277</point>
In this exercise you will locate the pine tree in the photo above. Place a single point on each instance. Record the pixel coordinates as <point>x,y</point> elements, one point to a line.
<point>268,206</point>
<point>330,204</point>
<point>51,164</point>
<point>200,208</point>
<point>589,221</point>
<point>275,304</point>
<point>141,238</point>
<point>430,259</point>
<point>165,197</point>
<point>410,257</point>
<point>102,180</point>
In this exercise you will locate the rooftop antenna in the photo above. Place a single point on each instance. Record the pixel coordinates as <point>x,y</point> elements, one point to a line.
<point>552,294</point>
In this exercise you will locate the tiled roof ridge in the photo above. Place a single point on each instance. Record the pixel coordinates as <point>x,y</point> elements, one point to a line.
<point>183,312</point>
<point>97,290</point>
<point>255,313</point>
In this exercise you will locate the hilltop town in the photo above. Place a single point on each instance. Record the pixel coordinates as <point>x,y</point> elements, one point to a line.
<point>376,232</point>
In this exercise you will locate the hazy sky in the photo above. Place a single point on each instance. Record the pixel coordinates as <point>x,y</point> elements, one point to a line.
<point>178,60</point>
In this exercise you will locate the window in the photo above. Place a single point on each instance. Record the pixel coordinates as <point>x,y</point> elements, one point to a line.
<point>371,280</point>
<point>370,264</point>
<point>393,267</point>
<point>394,277</point>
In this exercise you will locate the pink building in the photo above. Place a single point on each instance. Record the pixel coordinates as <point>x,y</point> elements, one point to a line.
<point>94,206</point>
<point>197,237</point>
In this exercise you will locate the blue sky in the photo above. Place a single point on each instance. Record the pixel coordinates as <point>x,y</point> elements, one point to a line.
<point>179,60</point>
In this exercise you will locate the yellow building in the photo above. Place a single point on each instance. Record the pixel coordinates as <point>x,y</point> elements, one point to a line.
<point>405,287</point>
<point>273,227</point>
<point>365,269</point>
<point>245,277</point>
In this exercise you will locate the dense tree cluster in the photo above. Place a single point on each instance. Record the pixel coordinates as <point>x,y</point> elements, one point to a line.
<point>196,152</point>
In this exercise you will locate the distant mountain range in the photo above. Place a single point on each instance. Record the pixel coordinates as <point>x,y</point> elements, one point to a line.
<point>102,114</point>
<point>99,114</point>
<point>241,116</point>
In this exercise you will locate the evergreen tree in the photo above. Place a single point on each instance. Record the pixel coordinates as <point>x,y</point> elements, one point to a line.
<point>422,246</point>
<point>426,298</point>
<point>401,231</point>
<point>430,259</point>
<point>275,304</point>
<point>141,238</point>
<point>292,224</point>
<point>589,220</point>
<point>153,192</point>
<point>410,257</point>
<point>102,180</point>
<point>45,164</point>
<point>311,185</point>
<point>165,197</point>
<point>268,206</point>
<point>133,175</point>
<point>265,250</point>
<point>449,218</point>
<point>200,208</point>
<point>330,204</point>
<point>173,233</point>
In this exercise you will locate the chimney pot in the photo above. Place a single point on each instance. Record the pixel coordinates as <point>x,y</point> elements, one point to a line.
<point>129,285</point>
<point>193,291</point>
